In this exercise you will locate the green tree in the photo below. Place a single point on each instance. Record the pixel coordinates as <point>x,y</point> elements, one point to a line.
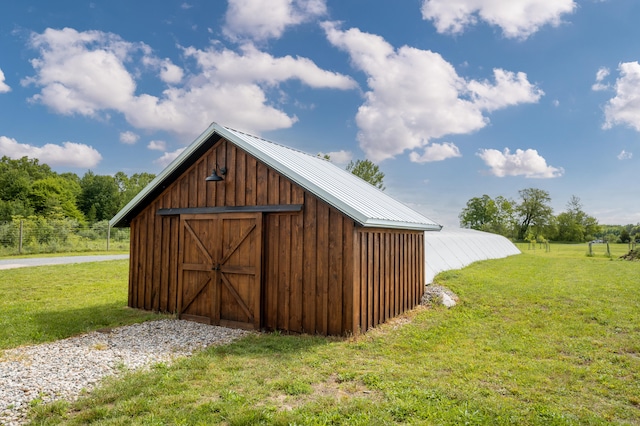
<point>56,195</point>
<point>129,187</point>
<point>368,171</point>
<point>534,212</point>
<point>16,180</point>
<point>479,213</point>
<point>505,220</point>
<point>624,236</point>
<point>490,215</point>
<point>100,197</point>
<point>574,225</point>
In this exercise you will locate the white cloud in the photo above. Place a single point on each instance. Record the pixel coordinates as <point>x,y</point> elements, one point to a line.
<point>261,20</point>
<point>69,154</point>
<point>602,73</point>
<point>4,88</point>
<point>415,95</point>
<point>129,137</point>
<point>168,157</point>
<point>516,18</point>
<point>170,73</point>
<point>186,6</point>
<point>509,89</point>
<point>82,72</point>
<point>341,157</point>
<point>436,152</point>
<point>527,163</point>
<point>624,155</point>
<point>556,103</point>
<point>86,73</point>
<point>624,107</point>
<point>157,145</point>
<point>254,66</point>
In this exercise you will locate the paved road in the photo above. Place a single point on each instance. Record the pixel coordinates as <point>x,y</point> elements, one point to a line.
<point>41,261</point>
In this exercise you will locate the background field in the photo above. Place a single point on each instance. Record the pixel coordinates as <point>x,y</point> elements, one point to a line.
<point>539,338</point>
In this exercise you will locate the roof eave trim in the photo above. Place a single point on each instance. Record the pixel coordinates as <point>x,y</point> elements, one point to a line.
<point>379,223</point>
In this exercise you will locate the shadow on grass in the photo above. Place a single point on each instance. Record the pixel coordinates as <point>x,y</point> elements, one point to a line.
<point>270,344</point>
<point>46,326</point>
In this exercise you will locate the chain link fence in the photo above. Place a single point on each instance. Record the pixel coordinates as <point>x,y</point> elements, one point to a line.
<point>39,235</point>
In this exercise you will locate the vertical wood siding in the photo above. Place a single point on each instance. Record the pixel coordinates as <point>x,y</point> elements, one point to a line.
<point>321,273</point>
<point>390,277</point>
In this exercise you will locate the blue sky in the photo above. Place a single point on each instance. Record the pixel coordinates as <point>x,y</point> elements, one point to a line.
<point>452,99</point>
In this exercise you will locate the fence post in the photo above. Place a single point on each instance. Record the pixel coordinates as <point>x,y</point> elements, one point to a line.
<point>108,236</point>
<point>20,237</point>
<point>590,250</point>
<point>608,251</point>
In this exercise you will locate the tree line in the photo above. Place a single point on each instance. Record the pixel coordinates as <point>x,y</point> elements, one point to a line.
<point>531,218</point>
<point>31,189</point>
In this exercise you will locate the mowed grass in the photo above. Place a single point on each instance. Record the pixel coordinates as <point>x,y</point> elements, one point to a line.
<point>540,338</point>
<point>41,304</point>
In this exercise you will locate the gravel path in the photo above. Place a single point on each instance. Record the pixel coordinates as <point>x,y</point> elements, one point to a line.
<point>62,369</point>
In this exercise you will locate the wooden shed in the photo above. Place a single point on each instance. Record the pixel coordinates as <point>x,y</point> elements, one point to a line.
<point>243,232</point>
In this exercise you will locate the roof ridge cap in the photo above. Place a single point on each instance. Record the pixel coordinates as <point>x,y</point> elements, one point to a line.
<point>274,143</point>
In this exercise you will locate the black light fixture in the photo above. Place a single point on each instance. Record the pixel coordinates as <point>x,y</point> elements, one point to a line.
<point>214,175</point>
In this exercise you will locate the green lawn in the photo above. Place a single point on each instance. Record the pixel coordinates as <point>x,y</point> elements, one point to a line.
<point>46,303</point>
<point>541,338</point>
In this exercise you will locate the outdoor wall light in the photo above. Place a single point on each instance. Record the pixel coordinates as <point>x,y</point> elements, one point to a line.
<point>214,175</point>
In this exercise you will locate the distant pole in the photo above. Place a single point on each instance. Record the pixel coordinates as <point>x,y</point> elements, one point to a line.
<point>608,251</point>
<point>20,237</point>
<point>590,249</point>
<point>108,236</point>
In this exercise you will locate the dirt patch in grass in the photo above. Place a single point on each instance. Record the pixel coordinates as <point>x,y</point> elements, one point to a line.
<point>335,387</point>
<point>633,255</point>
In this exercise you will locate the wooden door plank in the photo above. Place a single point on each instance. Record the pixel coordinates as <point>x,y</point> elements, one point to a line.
<point>198,242</point>
<point>199,288</point>
<point>235,244</point>
<point>237,297</point>
<point>238,270</point>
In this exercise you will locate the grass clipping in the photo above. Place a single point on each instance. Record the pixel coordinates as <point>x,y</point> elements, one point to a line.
<point>633,255</point>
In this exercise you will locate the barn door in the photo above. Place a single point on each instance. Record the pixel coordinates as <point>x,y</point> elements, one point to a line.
<point>220,268</point>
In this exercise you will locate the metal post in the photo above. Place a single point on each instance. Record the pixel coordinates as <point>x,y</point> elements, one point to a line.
<point>20,237</point>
